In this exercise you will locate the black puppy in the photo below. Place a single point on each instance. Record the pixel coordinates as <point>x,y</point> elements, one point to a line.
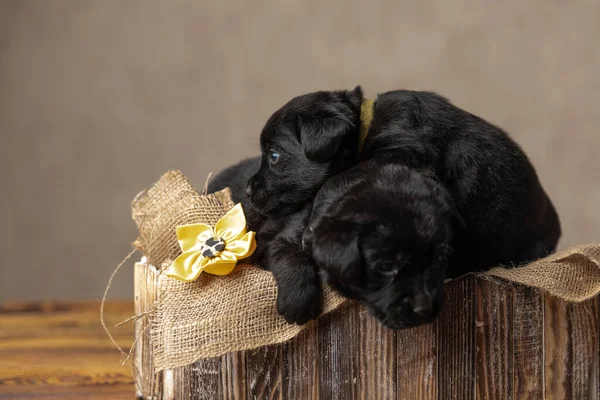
<point>508,218</point>
<point>236,177</point>
<point>278,239</point>
<point>302,145</point>
<point>381,234</point>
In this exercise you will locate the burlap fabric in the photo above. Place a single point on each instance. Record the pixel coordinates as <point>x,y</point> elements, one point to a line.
<point>215,315</point>
<point>572,274</point>
<point>170,202</point>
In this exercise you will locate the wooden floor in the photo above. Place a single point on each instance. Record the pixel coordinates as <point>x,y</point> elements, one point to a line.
<point>60,351</point>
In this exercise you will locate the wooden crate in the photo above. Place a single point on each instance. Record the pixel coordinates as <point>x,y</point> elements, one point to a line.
<point>494,340</point>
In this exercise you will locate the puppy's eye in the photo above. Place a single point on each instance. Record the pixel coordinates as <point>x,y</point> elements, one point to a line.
<point>388,268</point>
<point>440,256</point>
<point>273,157</point>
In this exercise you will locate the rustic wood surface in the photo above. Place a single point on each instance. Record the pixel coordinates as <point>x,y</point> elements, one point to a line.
<point>417,361</point>
<point>145,294</point>
<point>455,336</point>
<point>528,339</point>
<point>60,351</point>
<point>494,340</point>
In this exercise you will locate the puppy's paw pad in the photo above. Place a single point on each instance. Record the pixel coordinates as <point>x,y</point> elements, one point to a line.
<point>298,306</point>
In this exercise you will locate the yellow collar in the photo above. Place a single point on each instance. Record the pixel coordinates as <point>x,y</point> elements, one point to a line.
<point>366,117</point>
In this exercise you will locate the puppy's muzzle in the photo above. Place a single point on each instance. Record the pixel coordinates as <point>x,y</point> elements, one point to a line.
<point>421,304</point>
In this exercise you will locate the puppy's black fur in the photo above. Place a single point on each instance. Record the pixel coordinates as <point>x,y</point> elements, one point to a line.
<point>446,152</point>
<point>278,239</point>
<point>236,177</point>
<point>312,137</point>
<point>391,255</point>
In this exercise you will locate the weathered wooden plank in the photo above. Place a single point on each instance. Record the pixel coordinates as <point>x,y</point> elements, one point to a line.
<point>264,371</point>
<point>201,380</point>
<point>494,340</point>
<point>204,379</point>
<point>595,386</point>
<point>456,341</point>
<point>528,343</point>
<point>418,362</point>
<point>557,350</point>
<point>490,342</point>
<point>339,374</point>
<point>176,384</point>
<point>377,359</point>
<point>584,347</point>
<point>301,365</point>
<point>233,376</point>
<point>145,294</point>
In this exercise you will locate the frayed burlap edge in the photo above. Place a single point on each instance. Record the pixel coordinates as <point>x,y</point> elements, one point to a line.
<point>572,274</point>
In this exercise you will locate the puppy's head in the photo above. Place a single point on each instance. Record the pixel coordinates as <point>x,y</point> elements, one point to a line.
<point>302,144</point>
<point>387,246</point>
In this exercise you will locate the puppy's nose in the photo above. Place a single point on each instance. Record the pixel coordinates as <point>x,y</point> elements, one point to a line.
<point>424,311</point>
<point>421,304</point>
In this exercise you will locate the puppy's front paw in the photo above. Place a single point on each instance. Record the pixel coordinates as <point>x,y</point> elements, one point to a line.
<point>298,304</point>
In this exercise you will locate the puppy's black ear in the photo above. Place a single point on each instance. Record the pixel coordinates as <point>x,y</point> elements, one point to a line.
<point>321,136</point>
<point>339,252</point>
<point>350,259</point>
<point>357,94</point>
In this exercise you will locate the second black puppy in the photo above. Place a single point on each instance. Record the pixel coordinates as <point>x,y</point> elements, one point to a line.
<point>381,234</point>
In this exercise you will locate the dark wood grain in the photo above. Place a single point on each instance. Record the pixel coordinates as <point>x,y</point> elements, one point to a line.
<point>199,380</point>
<point>557,349</point>
<point>60,351</point>
<point>301,365</point>
<point>456,340</point>
<point>418,362</point>
<point>595,386</point>
<point>377,359</point>
<point>494,340</point>
<point>339,375</point>
<point>584,347</point>
<point>233,373</point>
<point>528,343</point>
<point>264,372</point>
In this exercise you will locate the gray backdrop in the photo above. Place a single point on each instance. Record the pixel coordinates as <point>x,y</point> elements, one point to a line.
<point>98,98</point>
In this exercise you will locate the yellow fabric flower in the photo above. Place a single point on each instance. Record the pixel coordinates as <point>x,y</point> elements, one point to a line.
<point>214,251</point>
